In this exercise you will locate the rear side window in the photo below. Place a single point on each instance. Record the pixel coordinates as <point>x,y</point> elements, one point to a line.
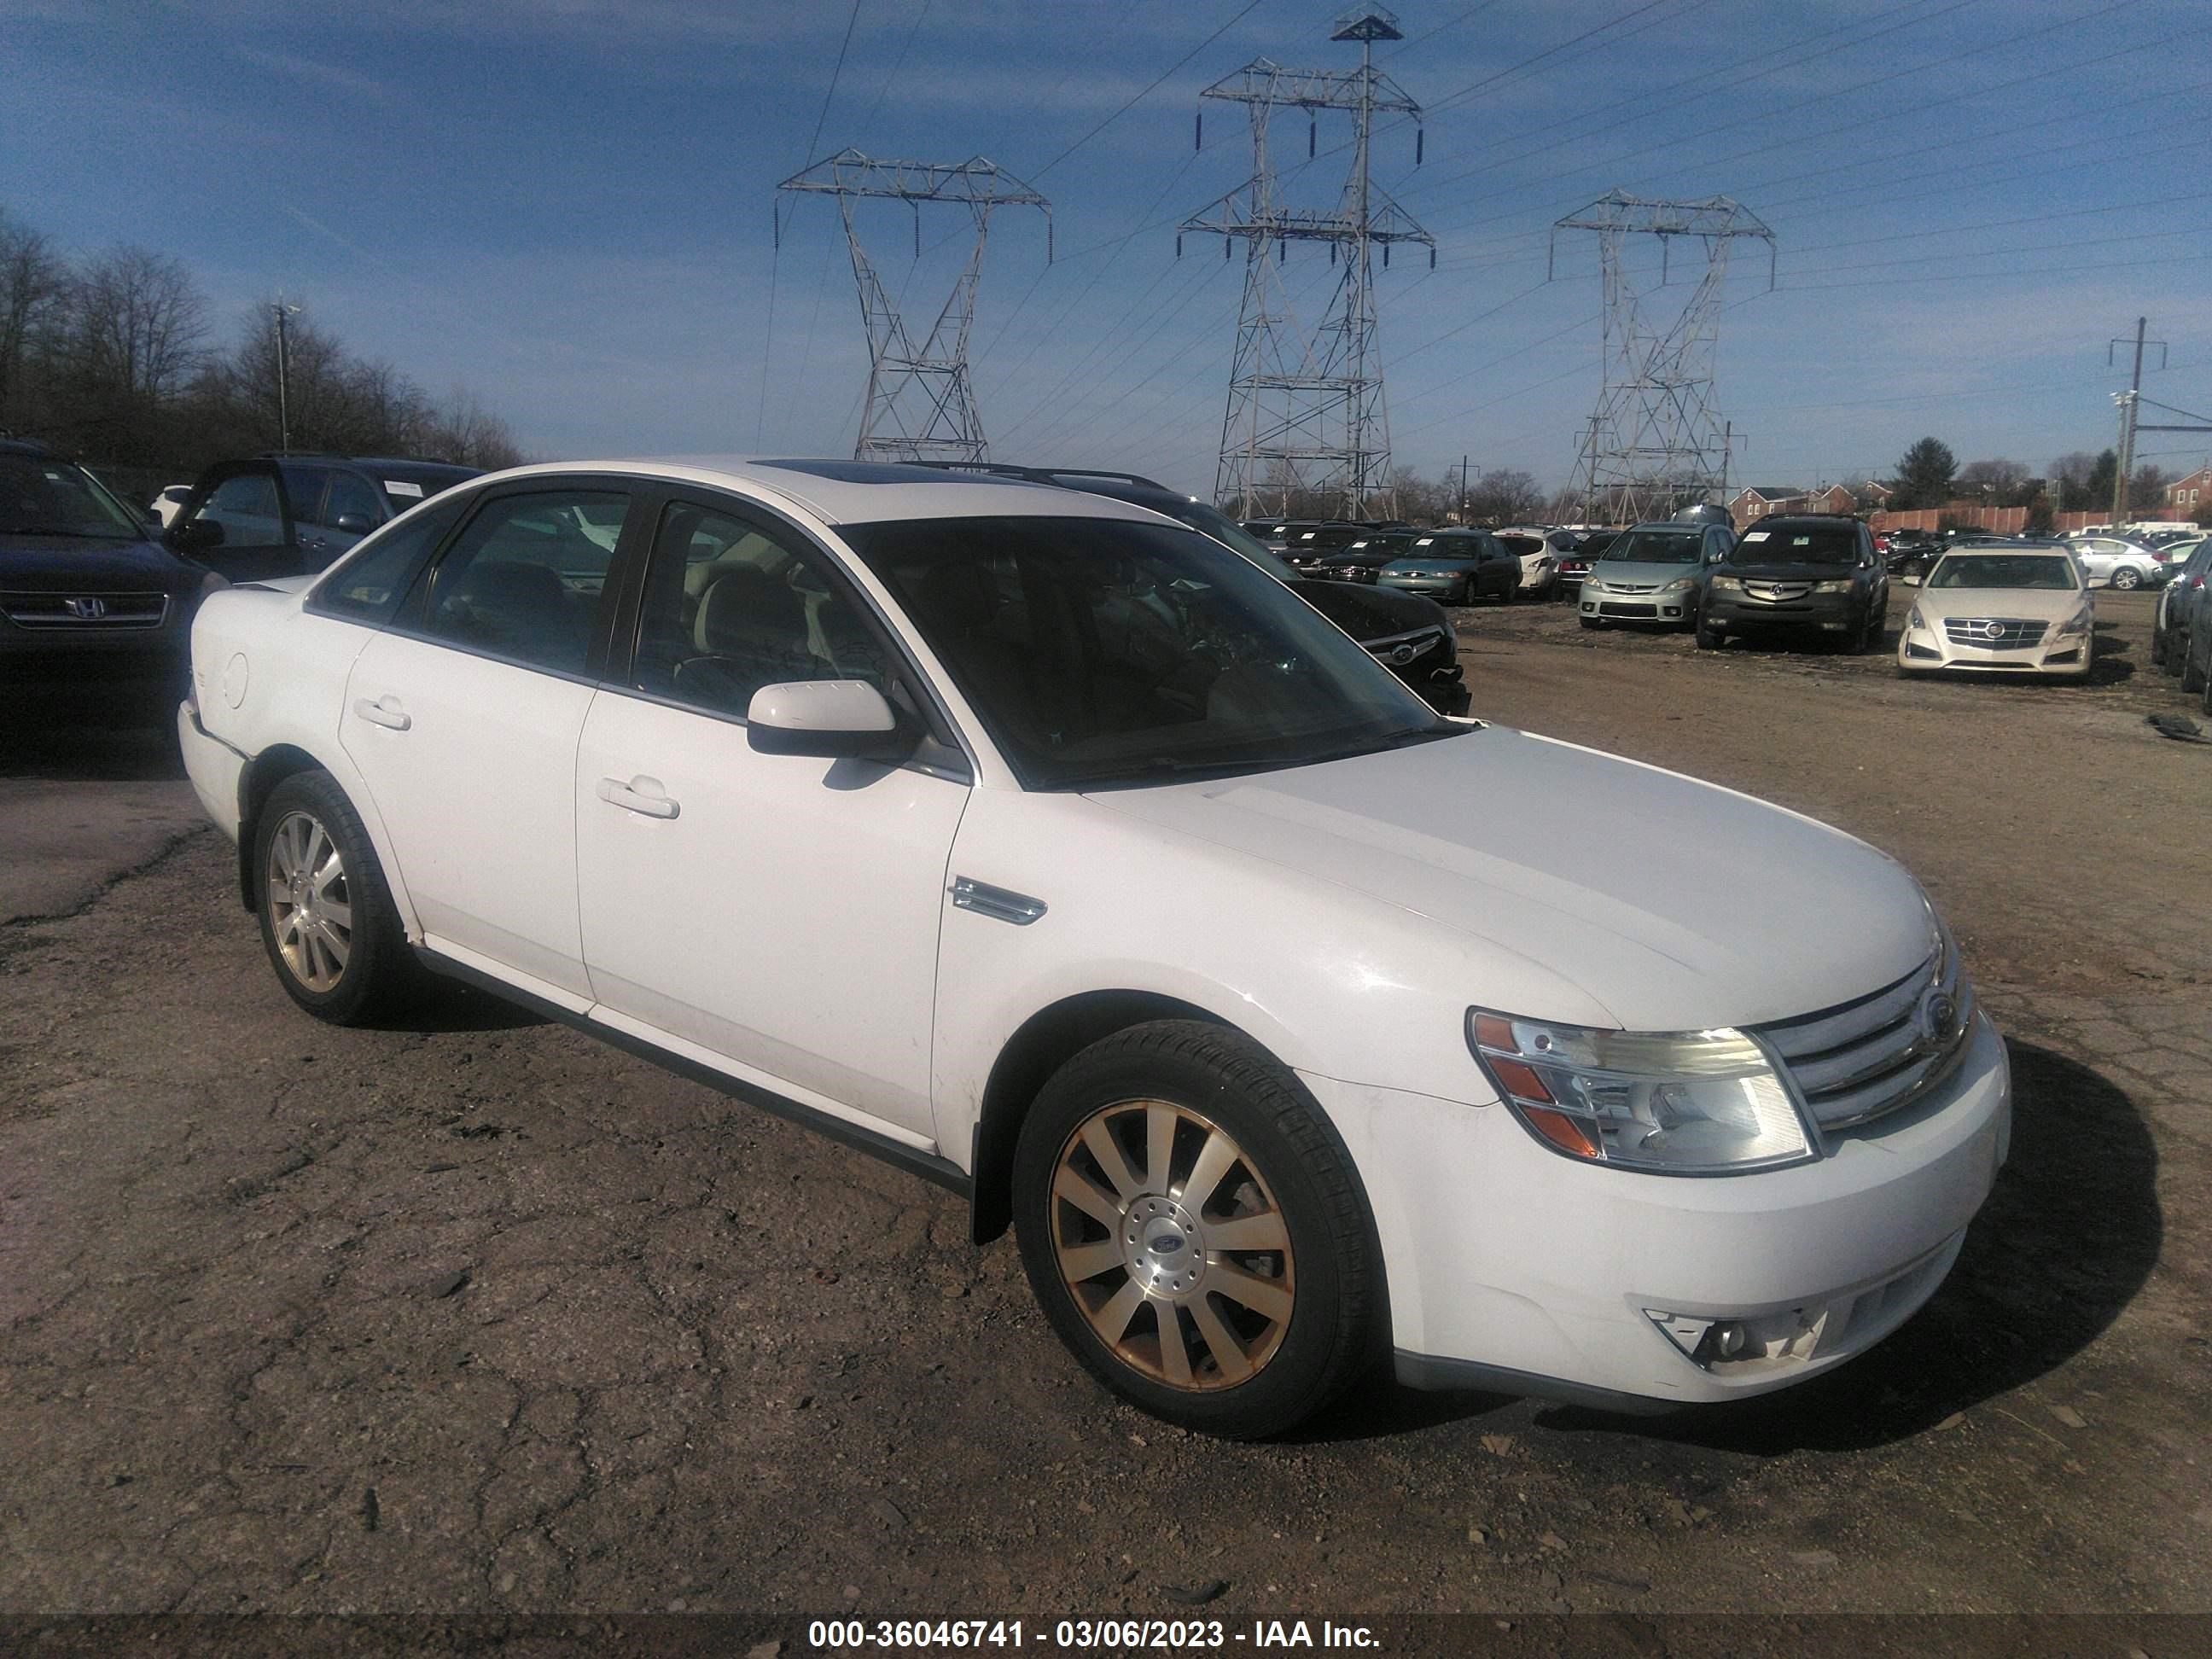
<point>368,586</point>
<point>525,579</point>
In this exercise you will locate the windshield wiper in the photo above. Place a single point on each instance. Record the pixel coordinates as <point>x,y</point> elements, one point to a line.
<point>73,534</point>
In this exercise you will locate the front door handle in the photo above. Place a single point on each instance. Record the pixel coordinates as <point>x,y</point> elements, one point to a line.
<point>384,711</point>
<point>639,795</point>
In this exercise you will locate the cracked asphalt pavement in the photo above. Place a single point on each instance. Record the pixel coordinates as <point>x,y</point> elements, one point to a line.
<point>477,1316</point>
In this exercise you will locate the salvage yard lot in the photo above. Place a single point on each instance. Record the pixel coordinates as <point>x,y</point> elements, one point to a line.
<point>479,1315</point>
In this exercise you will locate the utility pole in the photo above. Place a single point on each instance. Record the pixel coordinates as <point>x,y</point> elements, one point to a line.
<point>1462,489</point>
<point>283,376</point>
<point>920,403</point>
<point>2127,402</point>
<point>1309,408</point>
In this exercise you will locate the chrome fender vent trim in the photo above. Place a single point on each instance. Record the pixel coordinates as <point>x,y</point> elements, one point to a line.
<point>1000,903</point>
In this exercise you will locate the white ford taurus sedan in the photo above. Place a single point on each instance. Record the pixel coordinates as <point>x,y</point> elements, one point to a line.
<point>1044,847</point>
<point>2003,608</point>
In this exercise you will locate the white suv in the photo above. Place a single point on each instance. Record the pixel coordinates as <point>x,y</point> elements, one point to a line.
<point>1036,842</point>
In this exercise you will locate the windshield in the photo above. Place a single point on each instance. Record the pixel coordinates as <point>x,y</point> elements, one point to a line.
<point>2053,570</point>
<point>1102,651</point>
<point>1212,521</point>
<point>1655,547</point>
<point>1814,544</point>
<point>40,495</point>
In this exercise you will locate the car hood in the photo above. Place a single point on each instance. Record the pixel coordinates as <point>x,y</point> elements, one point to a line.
<point>1672,904</point>
<point>56,563</point>
<point>1659,571</point>
<point>2046,603</point>
<point>1429,561</point>
<point>1368,613</point>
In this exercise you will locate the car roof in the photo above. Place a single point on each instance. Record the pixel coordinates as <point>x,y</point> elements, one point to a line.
<point>860,492</point>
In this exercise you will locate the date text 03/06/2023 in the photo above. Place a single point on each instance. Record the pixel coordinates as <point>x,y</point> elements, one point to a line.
<point>1081,1634</point>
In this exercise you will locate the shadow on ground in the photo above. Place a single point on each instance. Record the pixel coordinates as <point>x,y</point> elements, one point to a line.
<point>81,740</point>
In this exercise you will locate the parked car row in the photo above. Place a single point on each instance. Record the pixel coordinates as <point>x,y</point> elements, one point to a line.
<point>97,595</point>
<point>2181,631</point>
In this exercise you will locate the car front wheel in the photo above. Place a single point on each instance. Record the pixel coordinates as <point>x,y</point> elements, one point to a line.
<point>327,919</point>
<point>1710,638</point>
<point>2126,578</point>
<point>1192,1228</point>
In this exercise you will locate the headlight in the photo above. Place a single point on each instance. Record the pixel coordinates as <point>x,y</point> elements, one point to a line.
<point>1832,587</point>
<point>1684,1102</point>
<point>1592,585</point>
<point>2076,624</point>
<point>1913,620</point>
<point>1728,582</point>
<point>1683,586</point>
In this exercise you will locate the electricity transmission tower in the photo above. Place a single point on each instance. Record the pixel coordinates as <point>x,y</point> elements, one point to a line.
<point>921,404</point>
<point>1305,410</point>
<point>1655,443</point>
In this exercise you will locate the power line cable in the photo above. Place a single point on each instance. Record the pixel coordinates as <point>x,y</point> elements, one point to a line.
<point>1132,104</point>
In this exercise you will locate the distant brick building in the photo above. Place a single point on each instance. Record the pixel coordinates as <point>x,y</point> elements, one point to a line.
<point>1758,501</point>
<point>2186,497</point>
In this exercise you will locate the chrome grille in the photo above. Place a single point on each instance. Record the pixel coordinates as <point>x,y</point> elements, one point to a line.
<point>1870,1057</point>
<point>1995,633</point>
<point>1399,649</point>
<point>1780,592</point>
<point>64,609</point>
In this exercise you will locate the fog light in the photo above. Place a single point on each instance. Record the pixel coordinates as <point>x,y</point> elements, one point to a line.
<point>1729,1340</point>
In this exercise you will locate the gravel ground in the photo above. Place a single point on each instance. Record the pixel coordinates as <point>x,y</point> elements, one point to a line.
<point>479,1317</point>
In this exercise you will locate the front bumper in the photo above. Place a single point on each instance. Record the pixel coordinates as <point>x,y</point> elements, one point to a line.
<point>1511,1267</point>
<point>1652,607</point>
<point>1735,612</point>
<point>1930,650</point>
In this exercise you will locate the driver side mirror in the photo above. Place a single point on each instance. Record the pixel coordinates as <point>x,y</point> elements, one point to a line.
<point>833,720</point>
<point>353,524</point>
<point>195,536</point>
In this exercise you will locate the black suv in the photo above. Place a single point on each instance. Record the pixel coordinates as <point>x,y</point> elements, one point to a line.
<point>91,611</point>
<point>1800,570</point>
<point>1408,634</point>
<point>285,515</point>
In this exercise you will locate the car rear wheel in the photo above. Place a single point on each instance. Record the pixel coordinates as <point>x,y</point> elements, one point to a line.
<point>1193,1231</point>
<point>327,919</point>
<point>2126,577</point>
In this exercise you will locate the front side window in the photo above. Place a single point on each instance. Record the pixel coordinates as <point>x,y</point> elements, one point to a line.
<point>524,579</point>
<point>306,486</point>
<point>1102,652</point>
<point>247,508</point>
<point>731,607</point>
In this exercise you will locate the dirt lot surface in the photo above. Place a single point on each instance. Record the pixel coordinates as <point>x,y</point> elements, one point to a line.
<point>479,1315</point>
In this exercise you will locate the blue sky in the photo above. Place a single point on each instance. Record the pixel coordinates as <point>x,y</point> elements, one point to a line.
<point>565,206</point>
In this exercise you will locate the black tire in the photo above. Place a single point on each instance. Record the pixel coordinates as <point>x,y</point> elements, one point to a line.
<point>2193,677</point>
<point>1294,1169</point>
<point>1710,638</point>
<point>1870,637</point>
<point>1590,621</point>
<point>2157,647</point>
<point>378,974</point>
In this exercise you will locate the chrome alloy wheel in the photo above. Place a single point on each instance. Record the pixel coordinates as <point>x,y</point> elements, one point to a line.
<point>310,905</point>
<point>1172,1245</point>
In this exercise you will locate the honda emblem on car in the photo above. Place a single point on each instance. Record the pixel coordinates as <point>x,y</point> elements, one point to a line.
<point>86,610</point>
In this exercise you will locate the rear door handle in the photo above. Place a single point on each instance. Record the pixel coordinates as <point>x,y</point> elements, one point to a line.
<point>639,795</point>
<point>384,711</point>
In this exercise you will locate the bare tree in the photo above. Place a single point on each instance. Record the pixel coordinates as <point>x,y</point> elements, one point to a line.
<point>33,280</point>
<point>2001,482</point>
<point>463,430</point>
<point>2072,472</point>
<point>135,323</point>
<point>1503,496</point>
